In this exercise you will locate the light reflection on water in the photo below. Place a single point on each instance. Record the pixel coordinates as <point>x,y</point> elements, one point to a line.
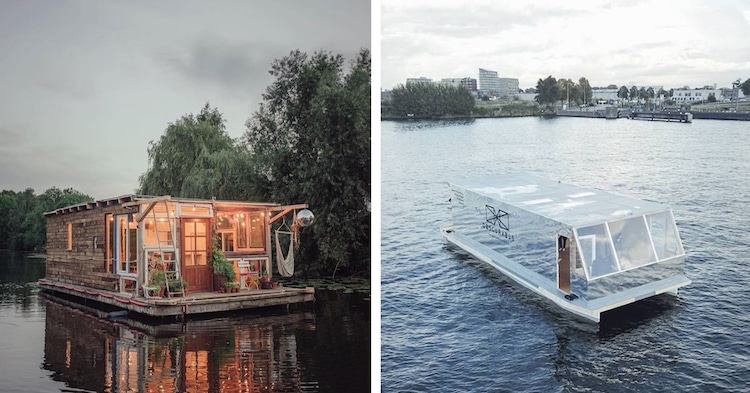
<point>50,343</point>
<point>449,323</point>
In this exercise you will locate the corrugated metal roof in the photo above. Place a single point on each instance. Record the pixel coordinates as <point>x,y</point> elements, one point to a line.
<point>566,203</point>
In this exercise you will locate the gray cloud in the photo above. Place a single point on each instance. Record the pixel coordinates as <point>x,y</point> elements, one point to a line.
<point>237,69</point>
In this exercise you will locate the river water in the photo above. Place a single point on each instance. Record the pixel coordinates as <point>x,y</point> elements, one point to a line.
<point>451,324</point>
<point>48,344</point>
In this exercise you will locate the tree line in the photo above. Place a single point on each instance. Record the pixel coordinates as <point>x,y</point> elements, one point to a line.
<point>426,100</point>
<point>23,226</point>
<point>551,90</point>
<point>309,142</point>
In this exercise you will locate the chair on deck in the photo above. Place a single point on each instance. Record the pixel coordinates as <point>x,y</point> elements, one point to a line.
<point>248,278</point>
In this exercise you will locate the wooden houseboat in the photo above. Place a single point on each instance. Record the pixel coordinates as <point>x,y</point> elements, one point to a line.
<point>111,251</point>
<point>586,250</point>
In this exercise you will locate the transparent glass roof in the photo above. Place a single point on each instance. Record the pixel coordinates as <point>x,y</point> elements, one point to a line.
<point>628,243</point>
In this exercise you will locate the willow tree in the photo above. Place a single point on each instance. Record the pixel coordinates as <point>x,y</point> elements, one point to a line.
<point>310,141</point>
<point>192,157</point>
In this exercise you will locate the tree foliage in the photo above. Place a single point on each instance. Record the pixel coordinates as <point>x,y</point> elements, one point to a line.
<point>310,141</point>
<point>548,92</point>
<point>745,87</point>
<point>586,91</point>
<point>623,93</point>
<point>23,226</point>
<point>193,158</point>
<point>633,93</point>
<point>426,100</point>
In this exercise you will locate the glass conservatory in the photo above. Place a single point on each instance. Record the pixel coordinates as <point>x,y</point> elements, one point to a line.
<point>587,250</point>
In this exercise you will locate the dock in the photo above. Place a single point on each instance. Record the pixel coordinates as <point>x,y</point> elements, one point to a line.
<point>193,303</point>
<point>682,117</point>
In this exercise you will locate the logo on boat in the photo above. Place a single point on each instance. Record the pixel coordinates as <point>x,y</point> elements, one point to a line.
<point>497,217</point>
<point>497,222</point>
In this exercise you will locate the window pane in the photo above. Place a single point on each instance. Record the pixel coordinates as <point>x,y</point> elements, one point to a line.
<point>200,228</point>
<point>241,231</point>
<point>200,258</point>
<point>256,230</point>
<point>223,222</point>
<point>632,243</point>
<point>596,250</point>
<point>227,241</point>
<point>664,235</point>
<point>189,244</point>
<point>200,243</point>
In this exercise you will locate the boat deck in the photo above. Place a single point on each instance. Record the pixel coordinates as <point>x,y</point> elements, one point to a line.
<point>193,303</point>
<point>590,310</point>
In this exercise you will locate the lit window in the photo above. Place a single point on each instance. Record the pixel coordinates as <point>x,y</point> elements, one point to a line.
<point>70,236</point>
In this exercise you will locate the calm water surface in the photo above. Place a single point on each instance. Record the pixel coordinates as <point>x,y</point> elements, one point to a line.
<point>451,324</point>
<point>50,345</point>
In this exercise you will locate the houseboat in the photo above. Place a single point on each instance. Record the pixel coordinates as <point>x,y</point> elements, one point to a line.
<point>112,251</point>
<point>586,250</point>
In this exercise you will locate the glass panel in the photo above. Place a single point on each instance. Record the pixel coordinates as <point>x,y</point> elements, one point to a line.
<point>110,242</point>
<point>632,243</point>
<point>664,234</point>
<point>200,258</point>
<point>256,230</point>
<point>596,250</point>
<point>200,243</point>
<point>189,259</point>
<point>227,241</point>
<point>223,222</point>
<point>165,236</point>
<point>241,231</point>
<point>189,229</point>
<point>132,245</point>
<point>189,244</point>
<point>122,240</point>
<point>200,228</point>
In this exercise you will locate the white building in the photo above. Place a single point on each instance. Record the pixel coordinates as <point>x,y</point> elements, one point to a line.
<point>490,83</point>
<point>605,95</point>
<point>695,95</point>
<point>421,79</point>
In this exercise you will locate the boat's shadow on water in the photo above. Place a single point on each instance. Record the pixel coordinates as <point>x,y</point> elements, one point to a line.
<point>640,313</point>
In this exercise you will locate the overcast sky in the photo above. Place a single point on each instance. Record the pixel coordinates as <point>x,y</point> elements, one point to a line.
<point>85,85</point>
<point>654,42</point>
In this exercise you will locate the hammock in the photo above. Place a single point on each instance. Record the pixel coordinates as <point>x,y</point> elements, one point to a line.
<point>285,264</point>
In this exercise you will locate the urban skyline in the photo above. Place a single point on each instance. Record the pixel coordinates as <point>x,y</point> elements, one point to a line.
<point>625,43</point>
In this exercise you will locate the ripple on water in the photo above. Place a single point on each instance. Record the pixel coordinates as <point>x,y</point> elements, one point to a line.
<point>449,323</point>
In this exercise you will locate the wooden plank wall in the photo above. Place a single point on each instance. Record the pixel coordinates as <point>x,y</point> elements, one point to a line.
<point>84,264</point>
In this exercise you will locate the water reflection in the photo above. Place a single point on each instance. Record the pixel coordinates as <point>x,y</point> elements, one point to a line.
<point>233,354</point>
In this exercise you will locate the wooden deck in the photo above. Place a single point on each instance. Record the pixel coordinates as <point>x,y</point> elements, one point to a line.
<point>193,303</point>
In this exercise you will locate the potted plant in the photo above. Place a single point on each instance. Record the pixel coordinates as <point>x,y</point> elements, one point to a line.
<point>231,287</point>
<point>158,280</point>
<point>265,283</point>
<point>222,268</point>
<point>177,286</point>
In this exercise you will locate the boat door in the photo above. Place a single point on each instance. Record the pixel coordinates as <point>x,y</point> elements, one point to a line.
<point>563,263</point>
<point>196,248</point>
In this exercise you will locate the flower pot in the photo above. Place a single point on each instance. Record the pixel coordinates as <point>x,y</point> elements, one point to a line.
<point>219,281</point>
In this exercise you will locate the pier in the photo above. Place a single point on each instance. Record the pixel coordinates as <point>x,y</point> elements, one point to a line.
<point>663,116</point>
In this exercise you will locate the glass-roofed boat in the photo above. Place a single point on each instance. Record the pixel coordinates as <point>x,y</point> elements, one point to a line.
<point>586,250</point>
